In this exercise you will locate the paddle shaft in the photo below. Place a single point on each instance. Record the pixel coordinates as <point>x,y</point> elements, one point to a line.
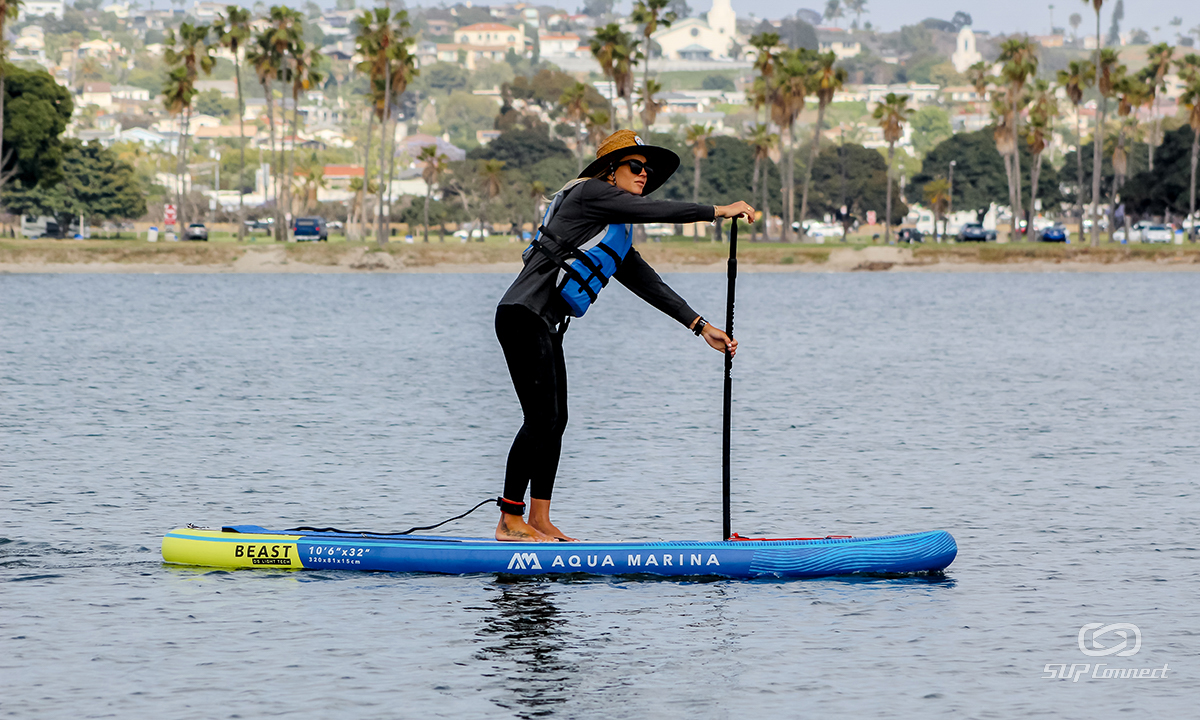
<point>732,283</point>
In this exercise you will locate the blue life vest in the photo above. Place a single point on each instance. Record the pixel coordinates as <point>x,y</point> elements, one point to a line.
<point>584,271</point>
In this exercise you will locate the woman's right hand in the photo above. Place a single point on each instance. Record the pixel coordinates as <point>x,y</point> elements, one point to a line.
<point>737,209</point>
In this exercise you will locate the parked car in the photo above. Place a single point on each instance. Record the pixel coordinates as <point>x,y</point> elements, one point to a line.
<point>1054,233</point>
<point>975,232</point>
<point>910,235</point>
<point>659,230</point>
<point>265,224</point>
<point>313,229</point>
<point>1158,234</point>
<point>196,231</point>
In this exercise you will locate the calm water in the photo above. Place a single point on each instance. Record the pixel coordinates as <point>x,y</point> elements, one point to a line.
<point>1050,422</point>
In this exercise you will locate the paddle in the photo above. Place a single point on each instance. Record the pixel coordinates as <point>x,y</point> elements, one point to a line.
<point>732,275</point>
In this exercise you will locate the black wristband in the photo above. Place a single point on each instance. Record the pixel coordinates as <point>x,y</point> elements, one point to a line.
<point>699,327</point>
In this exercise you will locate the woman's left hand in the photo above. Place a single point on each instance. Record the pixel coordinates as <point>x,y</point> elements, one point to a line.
<point>718,340</point>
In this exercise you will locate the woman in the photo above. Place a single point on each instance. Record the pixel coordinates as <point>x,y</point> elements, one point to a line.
<point>585,237</point>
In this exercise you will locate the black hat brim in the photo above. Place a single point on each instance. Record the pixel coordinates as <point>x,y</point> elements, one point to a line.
<point>662,161</point>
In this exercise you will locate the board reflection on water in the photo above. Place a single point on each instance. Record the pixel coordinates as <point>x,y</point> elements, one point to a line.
<point>524,636</point>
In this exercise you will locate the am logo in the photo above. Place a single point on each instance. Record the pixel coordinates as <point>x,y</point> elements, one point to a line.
<point>524,561</point>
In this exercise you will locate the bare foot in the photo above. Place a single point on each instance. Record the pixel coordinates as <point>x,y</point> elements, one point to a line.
<point>513,528</point>
<point>547,528</point>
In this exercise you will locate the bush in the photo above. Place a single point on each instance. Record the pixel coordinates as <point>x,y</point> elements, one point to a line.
<point>717,82</point>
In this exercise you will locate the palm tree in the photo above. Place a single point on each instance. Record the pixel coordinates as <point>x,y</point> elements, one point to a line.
<point>764,62</point>
<point>698,138</point>
<point>763,141</point>
<point>266,63</point>
<point>491,177</point>
<point>892,112</point>
<point>1079,75</point>
<point>825,81</point>
<point>1159,59</point>
<point>617,53</point>
<point>1108,69</point>
<point>790,89</point>
<point>1076,20</point>
<point>1019,56</point>
<point>1189,70</point>
<point>979,77</point>
<point>9,9</point>
<point>1043,110</point>
<point>575,105</point>
<point>597,123</point>
<point>305,76</point>
<point>937,196</point>
<point>382,41</point>
<point>233,30</point>
<point>432,173</point>
<point>833,11</point>
<point>650,106</point>
<point>1098,136</point>
<point>858,7</point>
<point>650,14</point>
<point>402,68</point>
<point>187,53</point>
<point>286,30</point>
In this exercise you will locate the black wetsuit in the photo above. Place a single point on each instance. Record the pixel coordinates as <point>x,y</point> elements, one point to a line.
<point>531,317</point>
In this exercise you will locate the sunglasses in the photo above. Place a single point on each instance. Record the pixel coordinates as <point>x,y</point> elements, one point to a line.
<point>636,167</point>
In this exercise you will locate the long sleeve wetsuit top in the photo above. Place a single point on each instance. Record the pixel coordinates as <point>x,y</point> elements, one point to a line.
<point>586,210</point>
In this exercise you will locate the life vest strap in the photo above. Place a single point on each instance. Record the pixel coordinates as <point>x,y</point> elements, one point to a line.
<point>562,264</point>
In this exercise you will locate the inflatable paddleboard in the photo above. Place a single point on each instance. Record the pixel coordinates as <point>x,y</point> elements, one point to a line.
<point>250,546</point>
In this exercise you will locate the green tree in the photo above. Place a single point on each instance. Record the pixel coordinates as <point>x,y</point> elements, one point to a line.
<point>824,82</point>
<point>9,9</point>
<point>979,175</point>
<point>1168,188</point>
<point>852,176</point>
<point>36,113</point>
<point>891,113</point>
<point>233,32</point>
<point>94,184</point>
<point>443,78</point>
<point>930,126</point>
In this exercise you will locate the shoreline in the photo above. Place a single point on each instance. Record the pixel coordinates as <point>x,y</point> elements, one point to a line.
<point>36,257</point>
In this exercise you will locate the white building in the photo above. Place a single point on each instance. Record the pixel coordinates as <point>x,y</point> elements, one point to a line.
<point>558,45</point>
<point>696,39</point>
<point>965,54</point>
<point>41,8</point>
<point>492,35</point>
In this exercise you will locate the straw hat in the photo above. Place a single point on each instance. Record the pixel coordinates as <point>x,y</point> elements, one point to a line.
<point>623,143</point>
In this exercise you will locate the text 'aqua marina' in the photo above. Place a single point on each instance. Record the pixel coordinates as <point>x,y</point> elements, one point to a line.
<point>531,561</point>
